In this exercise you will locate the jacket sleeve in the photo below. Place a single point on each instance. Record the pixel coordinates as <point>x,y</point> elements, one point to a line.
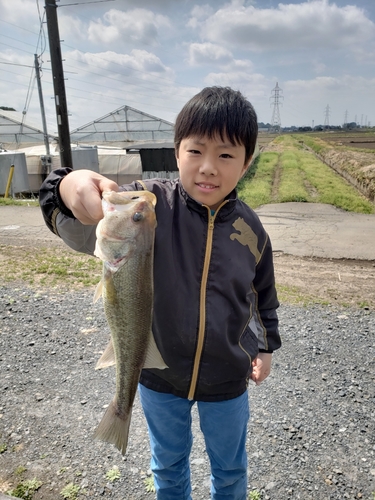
<point>267,302</point>
<point>60,220</point>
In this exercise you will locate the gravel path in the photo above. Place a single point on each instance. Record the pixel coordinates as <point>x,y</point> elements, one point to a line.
<point>312,432</point>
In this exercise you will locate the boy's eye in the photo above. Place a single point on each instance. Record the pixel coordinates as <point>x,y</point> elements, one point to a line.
<point>226,155</point>
<point>194,151</point>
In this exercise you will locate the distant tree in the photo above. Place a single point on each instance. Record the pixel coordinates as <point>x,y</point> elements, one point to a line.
<point>5,108</point>
<point>264,125</point>
<point>350,125</point>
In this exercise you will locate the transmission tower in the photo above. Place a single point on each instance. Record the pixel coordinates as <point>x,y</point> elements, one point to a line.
<point>326,118</point>
<point>346,119</point>
<point>276,121</point>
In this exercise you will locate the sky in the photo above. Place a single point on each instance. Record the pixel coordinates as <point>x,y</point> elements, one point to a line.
<point>154,55</point>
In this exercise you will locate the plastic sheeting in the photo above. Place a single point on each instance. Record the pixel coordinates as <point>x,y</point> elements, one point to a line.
<point>20,181</point>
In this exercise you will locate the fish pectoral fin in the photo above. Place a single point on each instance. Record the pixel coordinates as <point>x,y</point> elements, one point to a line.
<point>98,291</point>
<point>153,356</point>
<point>107,358</point>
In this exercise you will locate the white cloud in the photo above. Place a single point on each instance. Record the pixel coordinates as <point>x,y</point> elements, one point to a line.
<point>198,14</point>
<point>252,84</point>
<point>350,83</point>
<point>314,24</point>
<point>207,53</point>
<point>72,29</point>
<point>318,67</point>
<point>347,94</point>
<point>155,54</point>
<point>321,84</point>
<point>20,12</point>
<point>141,63</point>
<point>136,26</point>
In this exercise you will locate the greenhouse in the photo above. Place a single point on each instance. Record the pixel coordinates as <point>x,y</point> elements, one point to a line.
<point>123,126</point>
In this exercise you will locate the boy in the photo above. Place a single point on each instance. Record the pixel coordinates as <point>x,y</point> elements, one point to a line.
<point>215,301</point>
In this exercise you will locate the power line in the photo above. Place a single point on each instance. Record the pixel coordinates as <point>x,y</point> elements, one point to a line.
<point>15,64</point>
<point>85,3</point>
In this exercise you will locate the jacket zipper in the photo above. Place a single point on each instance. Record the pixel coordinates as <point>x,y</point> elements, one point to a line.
<point>202,304</point>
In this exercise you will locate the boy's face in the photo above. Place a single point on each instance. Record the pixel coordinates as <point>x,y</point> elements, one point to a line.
<point>210,168</point>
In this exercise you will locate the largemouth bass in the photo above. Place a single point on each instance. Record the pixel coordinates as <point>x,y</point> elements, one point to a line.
<point>125,244</point>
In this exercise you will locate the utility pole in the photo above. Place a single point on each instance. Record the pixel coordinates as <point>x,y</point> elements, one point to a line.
<point>276,121</point>
<point>58,84</point>
<point>46,160</point>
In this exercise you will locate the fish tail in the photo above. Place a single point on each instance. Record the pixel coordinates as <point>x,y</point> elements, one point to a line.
<point>114,428</point>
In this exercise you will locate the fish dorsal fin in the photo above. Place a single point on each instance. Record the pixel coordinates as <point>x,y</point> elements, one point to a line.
<point>153,356</point>
<point>107,358</point>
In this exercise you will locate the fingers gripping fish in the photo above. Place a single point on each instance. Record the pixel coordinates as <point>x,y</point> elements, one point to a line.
<point>125,244</point>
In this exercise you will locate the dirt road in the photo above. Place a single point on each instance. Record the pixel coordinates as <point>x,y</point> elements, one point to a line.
<point>320,252</point>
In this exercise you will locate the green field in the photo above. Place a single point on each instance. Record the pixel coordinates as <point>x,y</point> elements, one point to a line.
<point>293,174</point>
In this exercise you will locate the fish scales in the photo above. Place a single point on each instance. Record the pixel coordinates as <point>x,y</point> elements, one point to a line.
<point>128,307</point>
<point>125,243</point>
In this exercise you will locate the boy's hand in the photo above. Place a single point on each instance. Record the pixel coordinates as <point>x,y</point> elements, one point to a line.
<point>81,191</point>
<point>261,367</point>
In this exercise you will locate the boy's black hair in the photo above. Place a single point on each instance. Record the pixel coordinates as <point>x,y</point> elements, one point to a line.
<point>218,111</point>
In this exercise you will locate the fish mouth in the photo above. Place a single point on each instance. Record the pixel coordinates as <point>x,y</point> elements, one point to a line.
<point>111,237</point>
<point>114,265</point>
<point>120,199</point>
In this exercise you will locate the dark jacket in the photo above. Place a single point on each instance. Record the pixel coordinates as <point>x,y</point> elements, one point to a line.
<point>214,299</point>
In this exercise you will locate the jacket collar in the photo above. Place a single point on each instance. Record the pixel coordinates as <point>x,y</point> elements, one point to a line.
<point>224,211</point>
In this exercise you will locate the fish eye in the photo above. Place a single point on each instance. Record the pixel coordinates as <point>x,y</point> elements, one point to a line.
<point>137,217</point>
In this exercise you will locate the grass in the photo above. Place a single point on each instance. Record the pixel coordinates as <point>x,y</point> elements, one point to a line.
<point>254,495</point>
<point>301,178</point>
<point>295,296</point>
<point>291,187</point>
<point>15,201</point>
<point>48,267</point>
<point>333,189</point>
<point>316,144</point>
<point>70,491</point>
<point>26,489</point>
<point>149,484</point>
<point>113,474</point>
<point>349,160</point>
<point>20,470</point>
<point>256,187</point>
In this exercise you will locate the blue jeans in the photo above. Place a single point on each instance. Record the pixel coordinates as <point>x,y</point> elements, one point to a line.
<point>224,426</point>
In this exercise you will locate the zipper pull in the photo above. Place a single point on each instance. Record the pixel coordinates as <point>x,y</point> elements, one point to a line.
<point>211,220</point>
